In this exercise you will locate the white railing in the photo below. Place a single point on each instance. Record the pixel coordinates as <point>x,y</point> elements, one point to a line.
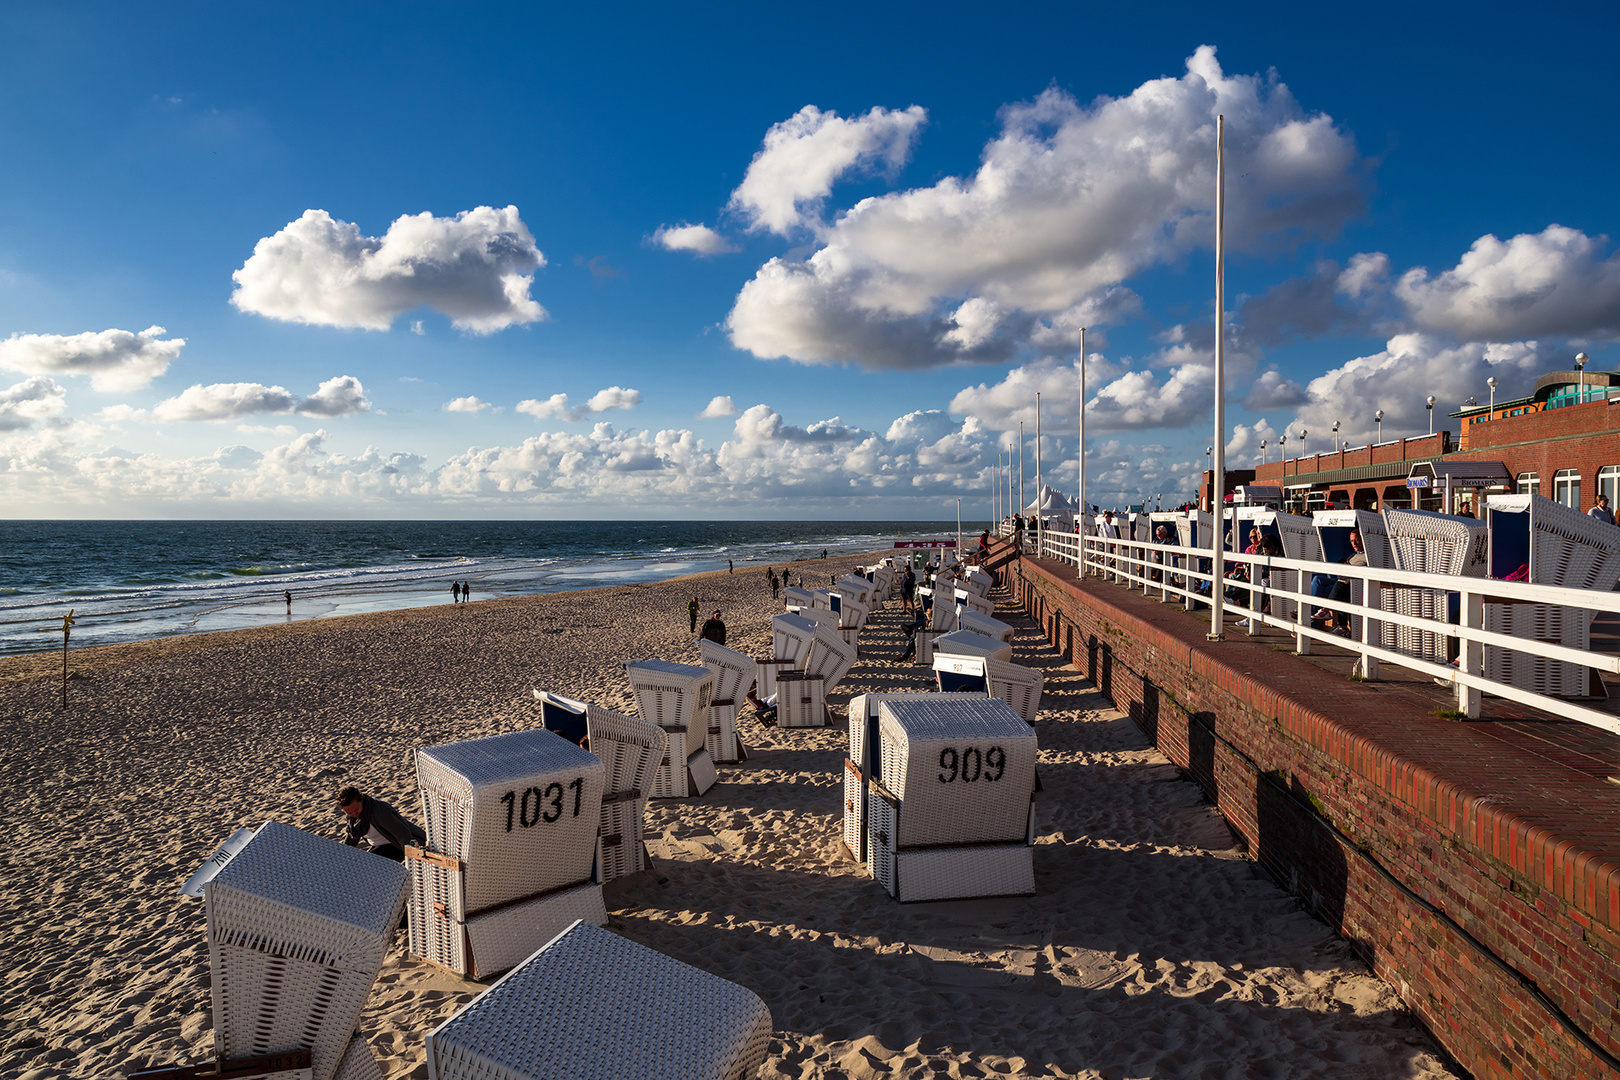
<point>1176,574</point>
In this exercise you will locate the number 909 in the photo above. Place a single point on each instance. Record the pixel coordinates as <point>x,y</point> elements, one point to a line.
<point>970,766</point>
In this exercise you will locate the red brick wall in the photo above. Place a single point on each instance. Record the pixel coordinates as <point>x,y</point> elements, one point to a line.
<point>1398,828</point>
<point>1581,437</point>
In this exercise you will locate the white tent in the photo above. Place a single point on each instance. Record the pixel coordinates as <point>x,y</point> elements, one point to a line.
<point>1055,507</point>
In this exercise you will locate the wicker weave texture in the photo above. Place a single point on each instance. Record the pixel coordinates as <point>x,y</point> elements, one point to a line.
<point>591,1005</point>
<point>963,769</point>
<point>793,596</point>
<point>792,637</point>
<point>437,910</point>
<point>672,695</point>
<point>358,1062</point>
<point>526,805</point>
<point>503,939</point>
<point>1431,543</point>
<point>631,750</point>
<point>942,611</point>
<point>831,656</point>
<point>971,601</point>
<point>721,741</point>
<point>960,873</point>
<point>854,811</point>
<point>298,927</point>
<point>733,672</point>
<point>801,701</point>
<point>856,589</point>
<point>984,624</point>
<point>671,781</point>
<point>967,643</point>
<point>864,738</point>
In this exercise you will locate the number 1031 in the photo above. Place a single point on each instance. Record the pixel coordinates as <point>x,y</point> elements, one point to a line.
<point>535,805</point>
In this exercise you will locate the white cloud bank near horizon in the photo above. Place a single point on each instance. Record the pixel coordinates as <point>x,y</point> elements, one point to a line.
<point>475,268</point>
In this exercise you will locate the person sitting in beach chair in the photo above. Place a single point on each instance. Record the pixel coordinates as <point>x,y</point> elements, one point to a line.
<point>764,711</point>
<point>374,821</point>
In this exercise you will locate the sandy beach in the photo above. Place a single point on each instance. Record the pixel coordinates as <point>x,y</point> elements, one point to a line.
<point>1153,947</point>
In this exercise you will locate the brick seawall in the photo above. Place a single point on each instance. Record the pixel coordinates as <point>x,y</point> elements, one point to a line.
<point>1475,866</point>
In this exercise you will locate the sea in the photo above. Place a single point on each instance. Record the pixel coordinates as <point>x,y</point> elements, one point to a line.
<point>137,580</point>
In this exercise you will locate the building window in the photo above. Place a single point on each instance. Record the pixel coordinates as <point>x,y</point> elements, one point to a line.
<point>1608,483</point>
<point>1529,484</point>
<point>1567,488</point>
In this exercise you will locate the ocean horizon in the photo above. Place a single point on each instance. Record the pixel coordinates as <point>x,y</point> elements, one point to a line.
<point>127,580</point>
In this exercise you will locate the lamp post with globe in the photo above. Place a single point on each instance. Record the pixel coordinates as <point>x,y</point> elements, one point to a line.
<point>1580,366</point>
<point>1431,414</point>
<point>1379,416</point>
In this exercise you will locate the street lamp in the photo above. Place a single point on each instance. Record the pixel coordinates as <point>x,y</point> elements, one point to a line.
<point>1302,434</point>
<point>1379,416</point>
<point>1262,451</point>
<point>1580,366</point>
<point>1491,382</point>
<point>1431,414</point>
<point>1282,447</point>
<point>1335,436</point>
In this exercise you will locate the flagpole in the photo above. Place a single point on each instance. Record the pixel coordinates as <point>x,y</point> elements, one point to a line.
<point>1040,519</point>
<point>1084,517</point>
<point>1217,591</point>
<point>1021,502</point>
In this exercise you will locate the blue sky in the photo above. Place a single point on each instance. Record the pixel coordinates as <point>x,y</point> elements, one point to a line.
<point>439,220</point>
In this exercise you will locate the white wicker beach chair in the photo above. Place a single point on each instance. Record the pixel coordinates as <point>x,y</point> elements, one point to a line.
<point>793,636</point>
<point>831,656</point>
<point>951,815</point>
<point>855,588</point>
<point>591,1005</point>
<point>1333,541</point>
<point>513,822</point>
<point>734,673</point>
<point>563,715</point>
<point>1299,541</point>
<point>631,750</point>
<point>967,643</point>
<point>357,1062</point>
<point>977,581</point>
<point>1561,546</point>
<point>298,928</point>
<point>677,697</point>
<point>984,624</point>
<point>1427,542</point>
<point>801,700</point>
<point>793,597</point>
<point>967,600</point>
<point>1019,686</point>
<point>940,602</point>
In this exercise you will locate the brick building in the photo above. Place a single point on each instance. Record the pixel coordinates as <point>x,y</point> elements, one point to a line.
<point>1562,442</point>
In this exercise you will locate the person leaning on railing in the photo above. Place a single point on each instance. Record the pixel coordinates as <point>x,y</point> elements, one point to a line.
<point>1332,587</point>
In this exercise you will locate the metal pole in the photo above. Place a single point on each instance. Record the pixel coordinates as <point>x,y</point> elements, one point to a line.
<point>1040,519</point>
<point>1217,592</point>
<point>1083,515</point>
<point>1021,502</point>
<point>958,528</point>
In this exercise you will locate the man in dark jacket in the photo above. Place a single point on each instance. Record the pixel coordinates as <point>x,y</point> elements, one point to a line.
<point>374,820</point>
<point>714,629</point>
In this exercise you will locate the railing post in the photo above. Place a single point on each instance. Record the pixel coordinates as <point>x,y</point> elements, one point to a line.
<point>1192,586</point>
<point>1302,613</point>
<point>1256,602</point>
<point>1470,654</point>
<point>1370,602</point>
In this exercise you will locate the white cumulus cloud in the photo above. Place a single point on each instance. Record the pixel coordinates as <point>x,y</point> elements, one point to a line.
<point>1552,283</point>
<point>1070,200</point>
<point>340,396</point>
<point>1399,380</point>
<point>699,239</point>
<point>718,407</point>
<point>612,397</point>
<point>113,359</point>
<point>476,268</point>
<point>804,155</point>
<point>25,404</point>
<point>469,404</point>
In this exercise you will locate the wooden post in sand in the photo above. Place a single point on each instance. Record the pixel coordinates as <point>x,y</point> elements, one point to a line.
<point>67,629</point>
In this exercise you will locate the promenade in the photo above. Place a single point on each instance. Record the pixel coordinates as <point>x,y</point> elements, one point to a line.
<point>1475,865</point>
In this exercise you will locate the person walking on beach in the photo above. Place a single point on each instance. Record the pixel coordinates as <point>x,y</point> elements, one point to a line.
<point>466,591</point>
<point>288,595</point>
<point>714,629</point>
<point>908,590</point>
<point>455,592</point>
<point>374,821</point>
<point>691,613</point>
<point>730,569</point>
<point>770,574</point>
